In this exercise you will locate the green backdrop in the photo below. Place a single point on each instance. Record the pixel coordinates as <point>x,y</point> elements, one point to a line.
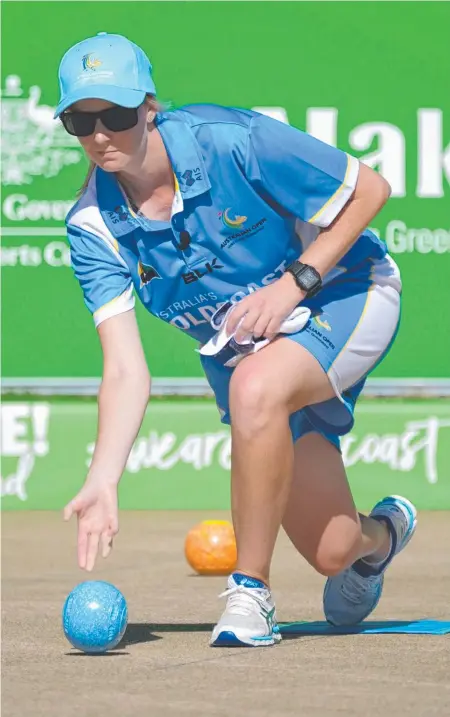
<point>372,77</point>
<point>182,456</point>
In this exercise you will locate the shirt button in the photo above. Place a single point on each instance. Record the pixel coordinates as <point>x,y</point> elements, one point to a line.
<point>185,240</point>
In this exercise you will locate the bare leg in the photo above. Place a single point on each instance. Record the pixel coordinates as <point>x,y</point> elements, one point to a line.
<point>261,469</point>
<point>320,517</point>
<point>264,390</point>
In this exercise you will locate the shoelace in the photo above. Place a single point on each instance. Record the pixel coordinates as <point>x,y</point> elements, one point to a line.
<point>353,586</point>
<point>241,600</point>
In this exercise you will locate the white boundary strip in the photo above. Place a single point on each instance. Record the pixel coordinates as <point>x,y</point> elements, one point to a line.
<point>192,387</point>
<point>33,232</point>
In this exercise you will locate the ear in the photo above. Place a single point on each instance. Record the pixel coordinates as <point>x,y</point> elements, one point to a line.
<point>151,114</point>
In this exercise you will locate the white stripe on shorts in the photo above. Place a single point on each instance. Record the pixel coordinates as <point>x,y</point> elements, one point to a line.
<point>374,330</point>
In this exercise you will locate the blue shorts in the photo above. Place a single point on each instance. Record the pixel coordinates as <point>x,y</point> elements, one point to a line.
<point>354,321</point>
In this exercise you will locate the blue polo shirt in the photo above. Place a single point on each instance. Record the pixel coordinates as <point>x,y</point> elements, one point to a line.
<point>252,193</point>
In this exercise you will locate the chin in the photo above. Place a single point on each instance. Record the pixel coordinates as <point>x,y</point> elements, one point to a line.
<point>113,163</point>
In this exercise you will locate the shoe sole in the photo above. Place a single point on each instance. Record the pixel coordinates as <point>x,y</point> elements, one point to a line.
<point>227,638</point>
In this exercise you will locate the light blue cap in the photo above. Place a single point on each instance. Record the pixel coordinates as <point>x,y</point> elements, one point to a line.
<point>105,67</point>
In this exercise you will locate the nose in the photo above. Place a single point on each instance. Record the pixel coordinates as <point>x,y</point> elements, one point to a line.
<point>100,134</point>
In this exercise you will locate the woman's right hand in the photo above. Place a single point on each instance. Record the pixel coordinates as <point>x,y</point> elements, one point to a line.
<point>122,402</point>
<point>96,508</point>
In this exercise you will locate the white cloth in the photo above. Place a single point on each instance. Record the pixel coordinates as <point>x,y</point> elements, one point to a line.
<point>222,342</point>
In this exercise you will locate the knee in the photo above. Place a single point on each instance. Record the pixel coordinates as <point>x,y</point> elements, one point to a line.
<point>253,401</point>
<point>333,558</point>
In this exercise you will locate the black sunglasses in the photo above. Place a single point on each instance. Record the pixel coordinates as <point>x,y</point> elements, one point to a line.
<point>116,119</point>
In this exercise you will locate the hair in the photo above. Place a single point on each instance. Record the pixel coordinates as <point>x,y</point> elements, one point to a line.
<point>152,104</point>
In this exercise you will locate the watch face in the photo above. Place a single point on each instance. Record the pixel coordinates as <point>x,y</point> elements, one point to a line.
<point>308,276</point>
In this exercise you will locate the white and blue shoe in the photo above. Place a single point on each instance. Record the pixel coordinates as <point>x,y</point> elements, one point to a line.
<point>352,595</point>
<point>249,618</point>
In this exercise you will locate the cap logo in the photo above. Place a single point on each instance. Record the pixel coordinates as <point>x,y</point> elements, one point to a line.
<point>90,63</point>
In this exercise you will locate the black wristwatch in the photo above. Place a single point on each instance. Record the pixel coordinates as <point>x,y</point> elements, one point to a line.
<point>306,277</point>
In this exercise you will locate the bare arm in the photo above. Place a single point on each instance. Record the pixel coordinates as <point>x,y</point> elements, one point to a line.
<point>371,193</point>
<point>122,402</point>
<point>123,396</point>
<point>264,310</point>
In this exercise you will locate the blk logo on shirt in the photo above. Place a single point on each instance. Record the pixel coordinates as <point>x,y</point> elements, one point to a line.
<point>197,274</point>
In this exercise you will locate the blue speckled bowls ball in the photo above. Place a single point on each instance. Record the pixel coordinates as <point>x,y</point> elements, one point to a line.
<point>95,616</point>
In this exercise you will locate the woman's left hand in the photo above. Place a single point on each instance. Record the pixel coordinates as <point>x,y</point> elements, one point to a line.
<point>264,311</point>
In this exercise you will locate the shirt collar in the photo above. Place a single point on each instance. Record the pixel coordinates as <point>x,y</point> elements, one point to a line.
<point>113,206</point>
<point>188,166</point>
<point>184,154</point>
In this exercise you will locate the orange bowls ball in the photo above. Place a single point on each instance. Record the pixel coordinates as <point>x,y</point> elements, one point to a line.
<point>210,548</point>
